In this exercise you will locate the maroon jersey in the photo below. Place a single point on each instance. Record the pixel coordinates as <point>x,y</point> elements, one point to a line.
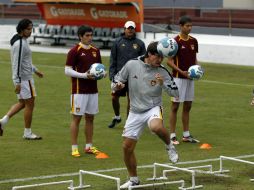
<point>186,54</point>
<point>80,59</point>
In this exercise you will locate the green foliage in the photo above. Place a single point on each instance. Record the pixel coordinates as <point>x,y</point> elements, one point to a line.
<point>221,115</point>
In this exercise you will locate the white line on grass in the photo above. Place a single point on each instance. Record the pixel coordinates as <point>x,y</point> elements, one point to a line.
<point>113,170</point>
<point>206,81</point>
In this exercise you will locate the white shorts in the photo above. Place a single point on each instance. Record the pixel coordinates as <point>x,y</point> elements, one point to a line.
<point>186,90</point>
<point>27,90</point>
<point>84,103</point>
<point>136,122</point>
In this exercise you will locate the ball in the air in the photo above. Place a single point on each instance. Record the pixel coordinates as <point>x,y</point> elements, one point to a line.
<point>167,47</point>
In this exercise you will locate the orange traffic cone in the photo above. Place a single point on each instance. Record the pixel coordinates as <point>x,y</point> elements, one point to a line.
<point>205,146</point>
<point>101,155</point>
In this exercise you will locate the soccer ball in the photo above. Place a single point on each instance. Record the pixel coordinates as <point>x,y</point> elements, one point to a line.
<point>167,47</point>
<point>98,70</point>
<point>195,72</point>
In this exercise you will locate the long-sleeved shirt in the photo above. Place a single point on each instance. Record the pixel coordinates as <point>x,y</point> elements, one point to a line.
<point>122,51</point>
<point>21,59</point>
<point>144,90</point>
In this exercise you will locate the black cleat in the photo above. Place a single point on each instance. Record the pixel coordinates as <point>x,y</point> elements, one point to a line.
<point>1,130</point>
<point>114,123</point>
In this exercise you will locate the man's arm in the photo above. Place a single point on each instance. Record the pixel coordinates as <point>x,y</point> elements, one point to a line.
<point>113,61</point>
<point>171,64</point>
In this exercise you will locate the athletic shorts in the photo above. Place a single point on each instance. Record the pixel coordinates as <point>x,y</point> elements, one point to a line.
<point>121,92</point>
<point>186,90</point>
<point>82,104</point>
<point>27,90</point>
<point>136,122</point>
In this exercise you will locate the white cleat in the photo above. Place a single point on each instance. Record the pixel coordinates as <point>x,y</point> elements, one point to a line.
<point>32,136</point>
<point>129,183</point>
<point>172,153</point>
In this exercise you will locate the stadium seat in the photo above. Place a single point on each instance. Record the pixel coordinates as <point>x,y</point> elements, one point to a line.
<point>115,33</point>
<point>105,34</point>
<point>65,32</point>
<point>73,35</point>
<point>49,31</point>
<point>97,33</point>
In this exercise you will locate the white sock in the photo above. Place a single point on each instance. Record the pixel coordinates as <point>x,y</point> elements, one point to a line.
<point>134,179</point>
<point>74,146</point>
<point>89,145</point>
<point>172,135</point>
<point>118,117</point>
<point>4,121</point>
<point>186,133</point>
<point>27,131</point>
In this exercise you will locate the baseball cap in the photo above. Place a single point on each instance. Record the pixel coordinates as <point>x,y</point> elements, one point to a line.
<point>130,24</point>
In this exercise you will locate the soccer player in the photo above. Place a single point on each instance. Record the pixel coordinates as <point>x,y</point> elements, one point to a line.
<point>22,71</point>
<point>84,97</point>
<point>124,48</point>
<point>185,57</point>
<point>146,80</point>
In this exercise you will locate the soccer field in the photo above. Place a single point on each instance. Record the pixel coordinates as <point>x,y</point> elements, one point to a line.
<point>221,116</point>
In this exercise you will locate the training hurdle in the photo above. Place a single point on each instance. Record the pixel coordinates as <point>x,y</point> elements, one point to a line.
<point>157,184</point>
<point>45,184</point>
<point>82,184</point>
<point>221,170</point>
<point>192,172</point>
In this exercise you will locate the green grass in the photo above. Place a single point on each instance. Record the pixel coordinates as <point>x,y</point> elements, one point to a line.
<point>221,115</point>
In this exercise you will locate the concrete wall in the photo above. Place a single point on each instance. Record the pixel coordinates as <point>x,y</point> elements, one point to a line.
<point>212,48</point>
<point>243,4</point>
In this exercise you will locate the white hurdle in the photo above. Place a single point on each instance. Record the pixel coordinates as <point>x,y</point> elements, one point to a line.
<point>45,184</point>
<point>157,184</point>
<point>82,184</point>
<point>221,170</point>
<point>192,172</point>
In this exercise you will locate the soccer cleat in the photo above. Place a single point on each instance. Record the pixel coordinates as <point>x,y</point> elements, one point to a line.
<point>92,150</point>
<point>1,130</point>
<point>75,153</point>
<point>172,153</point>
<point>32,136</point>
<point>190,139</point>
<point>114,122</point>
<point>129,183</point>
<point>174,141</point>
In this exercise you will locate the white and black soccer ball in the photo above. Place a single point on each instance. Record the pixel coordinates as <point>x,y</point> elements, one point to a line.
<point>167,47</point>
<point>98,70</point>
<point>195,72</point>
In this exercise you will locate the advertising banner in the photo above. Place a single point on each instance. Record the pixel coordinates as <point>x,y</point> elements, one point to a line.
<point>96,15</point>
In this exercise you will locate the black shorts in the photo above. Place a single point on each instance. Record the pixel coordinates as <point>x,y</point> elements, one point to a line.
<point>121,92</point>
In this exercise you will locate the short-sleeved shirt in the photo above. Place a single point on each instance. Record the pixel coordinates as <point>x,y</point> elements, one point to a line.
<point>186,54</point>
<point>80,59</point>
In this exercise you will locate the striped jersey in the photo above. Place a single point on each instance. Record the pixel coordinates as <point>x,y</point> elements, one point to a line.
<point>80,59</point>
<point>186,54</point>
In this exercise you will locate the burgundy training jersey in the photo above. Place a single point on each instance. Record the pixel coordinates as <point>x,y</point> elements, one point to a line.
<point>186,54</point>
<point>80,59</point>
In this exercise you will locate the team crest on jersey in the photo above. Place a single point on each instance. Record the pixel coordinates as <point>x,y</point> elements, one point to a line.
<point>94,53</point>
<point>135,46</point>
<point>77,110</point>
<point>192,47</point>
<point>123,45</point>
<point>153,82</point>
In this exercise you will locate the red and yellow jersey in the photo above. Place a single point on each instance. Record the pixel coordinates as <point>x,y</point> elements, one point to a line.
<point>186,54</point>
<point>80,59</point>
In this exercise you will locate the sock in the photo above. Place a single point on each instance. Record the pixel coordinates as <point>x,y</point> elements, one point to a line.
<point>172,135</point>
<point>134,179</point>
<point>89,145</point>
<point>186,133</point>
<point>27,131</point>
<point>4,120</point>
<point>74,146</point>
<point>118,117</point>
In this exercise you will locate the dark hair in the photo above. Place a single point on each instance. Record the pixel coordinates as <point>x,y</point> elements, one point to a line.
<point>152,49</point>
<point>83,29</point>
<point>23,24</point>
<point>184,19</point>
